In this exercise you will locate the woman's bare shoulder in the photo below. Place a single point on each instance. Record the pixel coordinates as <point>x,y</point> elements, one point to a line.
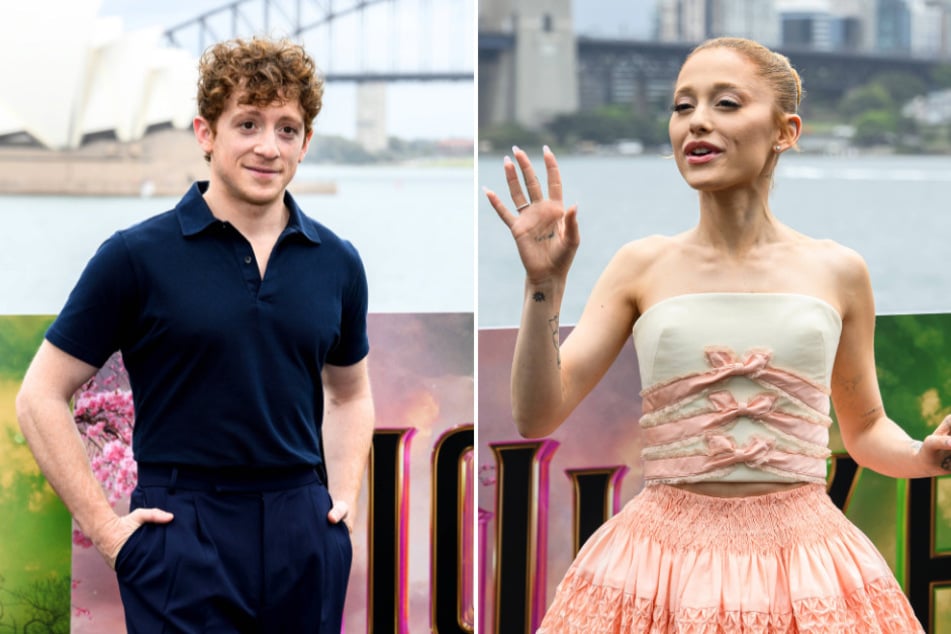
<point>641,265</point>
<point>844,263</point>
<point>648,250</point>
<point>840,274</point>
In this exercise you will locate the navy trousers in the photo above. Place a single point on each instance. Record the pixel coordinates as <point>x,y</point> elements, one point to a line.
<point>245,553</point>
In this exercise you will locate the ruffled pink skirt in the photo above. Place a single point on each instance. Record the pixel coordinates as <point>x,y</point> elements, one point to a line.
<point>678,562</point>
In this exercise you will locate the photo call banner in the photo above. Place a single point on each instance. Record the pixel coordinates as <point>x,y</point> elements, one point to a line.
<point>413,540</point>
<point>540,499</point>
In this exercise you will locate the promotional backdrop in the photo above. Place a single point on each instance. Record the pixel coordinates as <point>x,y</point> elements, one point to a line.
<point>422,375</point>
<point>538,499</point>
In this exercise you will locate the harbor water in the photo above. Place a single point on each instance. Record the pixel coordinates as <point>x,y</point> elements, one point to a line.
<point>412,226</point>
<point>893,210</point>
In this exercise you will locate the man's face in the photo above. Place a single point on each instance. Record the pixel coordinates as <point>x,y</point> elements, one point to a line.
<point>254,150</point>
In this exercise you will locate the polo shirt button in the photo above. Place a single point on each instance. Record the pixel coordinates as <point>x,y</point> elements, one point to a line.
<point>247,259</point>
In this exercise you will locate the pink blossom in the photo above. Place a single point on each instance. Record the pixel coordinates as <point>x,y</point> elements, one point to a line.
<point>96,431</point>
<point>486,475</point>
<point>105,416</point>
<point>80,539</point>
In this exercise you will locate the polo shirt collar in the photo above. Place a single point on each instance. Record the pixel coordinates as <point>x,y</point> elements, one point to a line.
<point>195,216</point>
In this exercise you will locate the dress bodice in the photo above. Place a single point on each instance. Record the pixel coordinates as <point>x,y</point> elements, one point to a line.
<point>736,387</point>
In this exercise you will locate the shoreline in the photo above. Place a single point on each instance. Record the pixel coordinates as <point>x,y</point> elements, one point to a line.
<point>164,163</point>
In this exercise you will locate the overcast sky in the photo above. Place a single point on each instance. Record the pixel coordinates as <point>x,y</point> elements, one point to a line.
<point>605,17</point>
<point>426,110</point>
<point>414,110</point>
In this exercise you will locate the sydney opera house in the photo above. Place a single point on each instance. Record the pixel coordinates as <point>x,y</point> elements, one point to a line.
<point>70,74</point>
<point>80,94</point>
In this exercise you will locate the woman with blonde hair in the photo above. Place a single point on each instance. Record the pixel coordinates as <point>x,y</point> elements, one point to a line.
<point>744,329</point>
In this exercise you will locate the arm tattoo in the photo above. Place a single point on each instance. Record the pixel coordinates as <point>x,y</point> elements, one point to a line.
<point>538,296</point>
<point>946,463</point>
<point>553,324</point>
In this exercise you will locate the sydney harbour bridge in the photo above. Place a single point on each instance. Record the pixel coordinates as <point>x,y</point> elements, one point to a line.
<point>370,43</point>
<point>533,66</point>
<point>118,83</point>
<point>356,40</point>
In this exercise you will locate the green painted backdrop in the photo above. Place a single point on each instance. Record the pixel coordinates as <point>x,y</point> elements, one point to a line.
<point>913,358</point>
<point>35,529</point>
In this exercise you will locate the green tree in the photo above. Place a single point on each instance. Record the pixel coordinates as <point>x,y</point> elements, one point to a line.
<point>337,149</point>
<point>607,124</point>
<point>871,96</point>
<point>941,76</point>
<point>503,136</point>
<point>875,127</point>
<point>901,86</point>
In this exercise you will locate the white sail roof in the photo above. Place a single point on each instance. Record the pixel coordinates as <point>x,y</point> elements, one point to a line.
<point>73,73</point>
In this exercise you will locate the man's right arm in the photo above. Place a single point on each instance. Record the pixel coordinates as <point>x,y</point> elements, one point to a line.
<point>43,411</point>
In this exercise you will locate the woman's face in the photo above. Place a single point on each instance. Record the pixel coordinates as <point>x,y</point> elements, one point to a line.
<point>723,127</point>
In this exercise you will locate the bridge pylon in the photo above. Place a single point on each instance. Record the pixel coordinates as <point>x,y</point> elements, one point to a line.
<point>530,75</point>
<point>371,116</point>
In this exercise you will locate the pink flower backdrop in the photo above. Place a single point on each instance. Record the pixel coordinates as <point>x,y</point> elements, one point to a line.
<point>105,416</point>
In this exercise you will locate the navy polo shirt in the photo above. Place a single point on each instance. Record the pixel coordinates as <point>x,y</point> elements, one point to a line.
<point>224,366</point>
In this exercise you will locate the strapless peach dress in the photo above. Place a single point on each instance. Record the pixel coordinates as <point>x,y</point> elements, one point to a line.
<point>737,390</point>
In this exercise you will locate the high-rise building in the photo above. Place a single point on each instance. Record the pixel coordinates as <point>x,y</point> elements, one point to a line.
<point>683,20</point>
<point>822,25</point>
<point>742,18</point>
<point>927,28</point>
<point>697,20</point>
<point>892,27</point>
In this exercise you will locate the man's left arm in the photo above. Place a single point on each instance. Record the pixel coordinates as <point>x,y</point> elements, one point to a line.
<point>348,434</point>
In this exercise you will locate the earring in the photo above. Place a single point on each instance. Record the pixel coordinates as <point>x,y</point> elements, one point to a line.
<point>777,147</point>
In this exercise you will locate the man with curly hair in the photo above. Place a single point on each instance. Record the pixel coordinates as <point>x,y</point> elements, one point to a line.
<point>242,323</point>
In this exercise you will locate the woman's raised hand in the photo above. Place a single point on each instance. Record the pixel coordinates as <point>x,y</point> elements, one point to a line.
<point>936,448</point>
<point>545,233</point>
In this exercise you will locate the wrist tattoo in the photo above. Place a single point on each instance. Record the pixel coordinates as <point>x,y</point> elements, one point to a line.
<point>915,446</point>
<point>946,463</point>
<point>538,296</point>
<point>553,324</point>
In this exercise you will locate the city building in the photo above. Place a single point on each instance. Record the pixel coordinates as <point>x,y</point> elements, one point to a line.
<point>698,20</point>
<point>928,22</point>
<point>821,25</point>
<point>892,27</point>
<point>920,28</point>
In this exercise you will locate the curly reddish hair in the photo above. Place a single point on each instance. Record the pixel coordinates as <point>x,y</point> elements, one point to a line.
<point>264,72</point>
